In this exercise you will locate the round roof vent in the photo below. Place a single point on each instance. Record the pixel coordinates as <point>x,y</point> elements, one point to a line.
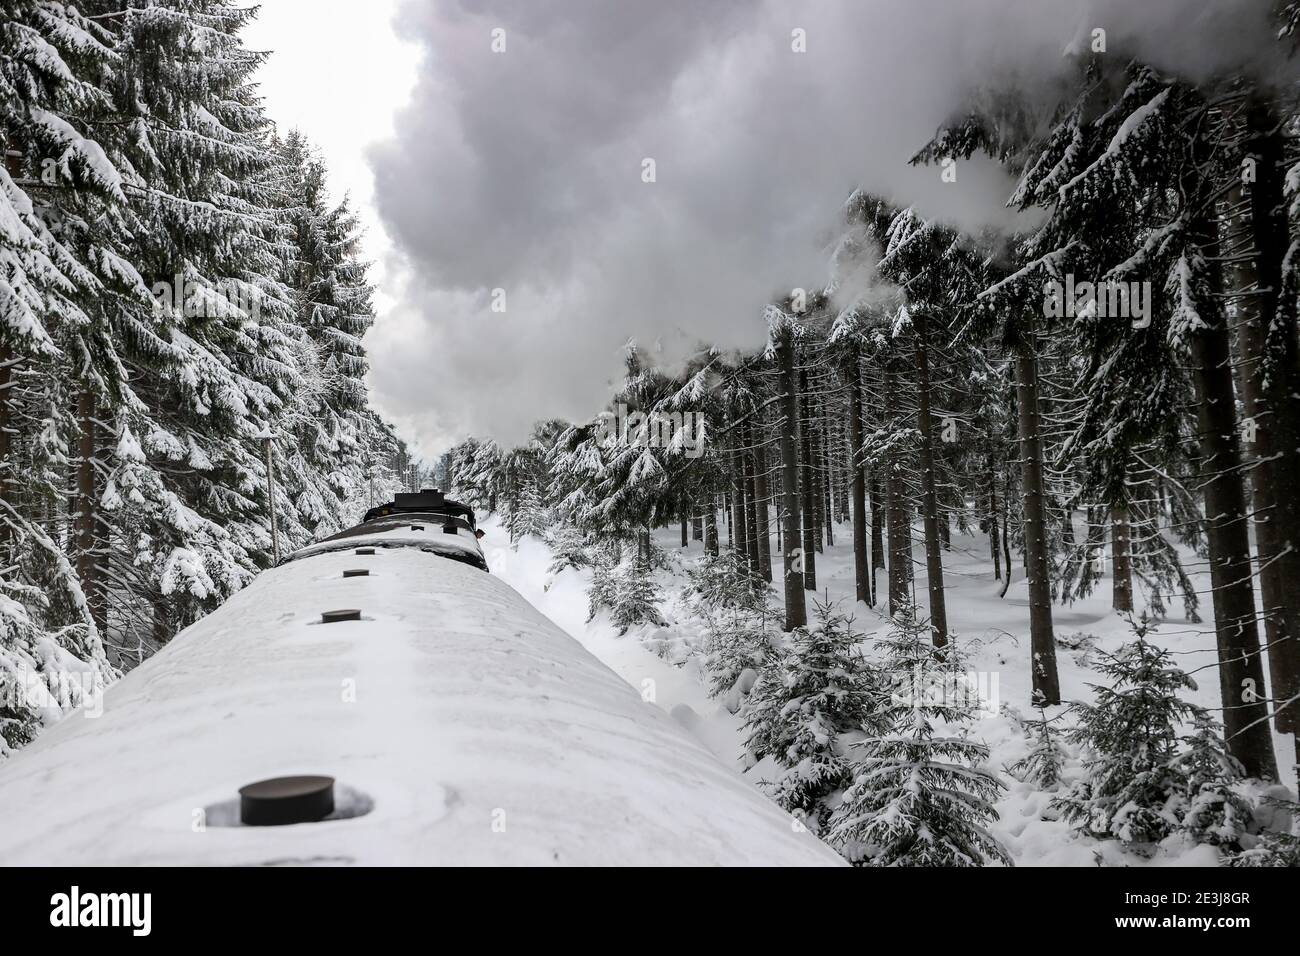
<point>284,800</point>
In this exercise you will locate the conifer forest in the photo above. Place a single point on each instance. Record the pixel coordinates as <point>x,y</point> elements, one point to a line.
<point>904,409</point>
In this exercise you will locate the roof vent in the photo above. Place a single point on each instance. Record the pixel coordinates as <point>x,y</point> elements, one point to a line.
<point>284,800</point>
<point>335,617</point>
<point>365,550</point>
<point>417,527</point>
<point>356,573</point>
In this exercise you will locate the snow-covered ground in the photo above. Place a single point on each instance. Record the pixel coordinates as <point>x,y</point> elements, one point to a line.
<point>993,632</point>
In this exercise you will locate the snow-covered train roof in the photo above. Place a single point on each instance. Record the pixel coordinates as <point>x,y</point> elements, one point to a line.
<point>425,531</point>
<point>461,725</point>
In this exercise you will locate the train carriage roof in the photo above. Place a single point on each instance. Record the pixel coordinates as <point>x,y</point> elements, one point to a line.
<point>461,727</point>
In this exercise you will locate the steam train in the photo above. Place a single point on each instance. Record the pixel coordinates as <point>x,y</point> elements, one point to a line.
<point>379,698</point>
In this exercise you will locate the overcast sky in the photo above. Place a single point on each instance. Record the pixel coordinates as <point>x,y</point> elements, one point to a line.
<point>523,170</point>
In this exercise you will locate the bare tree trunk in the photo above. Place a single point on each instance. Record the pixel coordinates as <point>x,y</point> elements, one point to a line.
<point>1046,683</point>
<point>762,493</point>
<point>1241,671</point>
<point>738,523</point>
<point>751,495</point>
<point>270,500</point>
<point>1006,529</point>
<point>1121,561</point>
<point>85,522</point>
<point>796,613</point>
<point>1255,244</point>
<point>711,530</point>
<point>877,532</point>
<point>861,569</point>
<point>897,513</point>
<point>828,518</point>
<point>6,452</point>
<point>929,498</point>
<point>161,628</point>
<point>993,525</point>
<point>811,541</point>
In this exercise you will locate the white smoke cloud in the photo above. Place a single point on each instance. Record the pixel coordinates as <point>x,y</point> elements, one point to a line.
<point>522,171</point>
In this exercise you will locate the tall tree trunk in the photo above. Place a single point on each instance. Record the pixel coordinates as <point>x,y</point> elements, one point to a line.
<point>824,460</point>
<point>751,512</point>
<point>807,485</point>
<point>877,532</point>
<point>796,613</point>
<point>813,465</point>
<point>1006,530</point>
<point>762,493</point>
<point>1255,243</point>
<point>738,523</point>
<point>86,521</point>
<point>269,452</point>
<point>1046,683</point>
<point>1241,671</point>
<point>993,525</point>
<point>897,512</point>
<point>1121,561</point>
<point>6,452</point>
<point>861,569</point>
<point>711,530</point>
<point>929,498</point>
<point>697,528</point>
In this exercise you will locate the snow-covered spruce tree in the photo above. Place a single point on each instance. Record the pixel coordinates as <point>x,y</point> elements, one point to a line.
<point>1274,847</point>
<point>190,142</point>
<point>56,351</point>
<point>1042,765</point>
<point>1134,786</point>
<point>802,707</point>
<point>740,647</point>
<point>527,514</point>
<point>1213,810</point>
<point>636,597</point>
<point>739,623</point>
<point>720,583</point>
<point>622,585</point>
<point>1153,144</point>
<point>917,798</point>
<point>153,332</point>
<point>324,434</point>
<point>571,549</point>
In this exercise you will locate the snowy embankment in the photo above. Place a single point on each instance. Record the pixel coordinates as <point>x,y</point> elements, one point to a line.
<point>664,664</point>
<point>461,726</point>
